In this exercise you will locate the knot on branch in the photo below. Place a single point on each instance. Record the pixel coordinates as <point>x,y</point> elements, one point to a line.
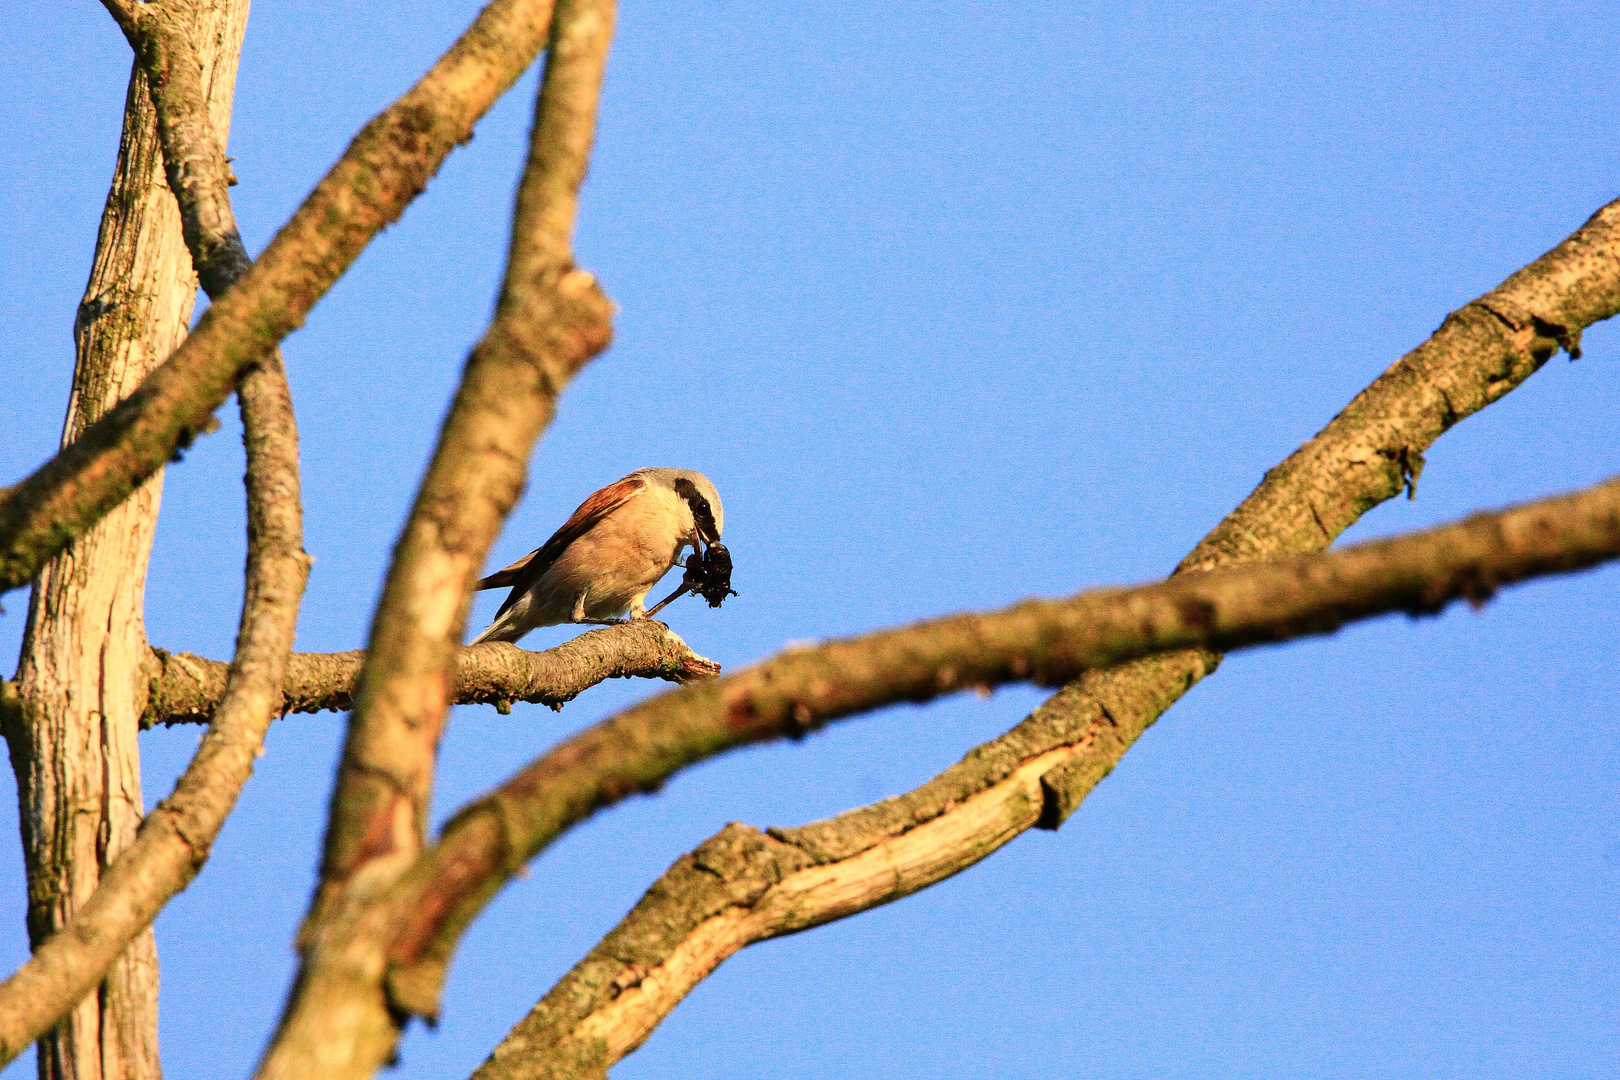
<point>1527,326</point>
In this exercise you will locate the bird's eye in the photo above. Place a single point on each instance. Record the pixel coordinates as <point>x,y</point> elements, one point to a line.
<point>702,513</point>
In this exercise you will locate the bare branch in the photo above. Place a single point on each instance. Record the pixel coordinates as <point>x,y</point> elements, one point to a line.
<point>550,320</point>
<point>161,33</point>
<point>81,679</point>
<point>1366,455</point>
<point>175,838</point>
<point>1374,448</point>
<point>185,689</point>
<point>1048,642</point>
<point>743,886</point>
<point>386,166</point>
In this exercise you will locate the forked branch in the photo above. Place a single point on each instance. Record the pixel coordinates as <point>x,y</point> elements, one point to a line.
<point>1037,773</point>
<point>744,886</point>
<point>80,672</point>
<point>386,166</point>
<point>174,840</point>
<point>1367,454</point>
<point>175,837</point>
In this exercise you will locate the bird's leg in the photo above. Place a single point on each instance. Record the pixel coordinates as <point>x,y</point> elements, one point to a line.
<point>665,602</point>
<point>578,614</point>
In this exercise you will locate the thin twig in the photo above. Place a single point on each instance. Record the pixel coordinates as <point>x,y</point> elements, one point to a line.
<point>679,592</point>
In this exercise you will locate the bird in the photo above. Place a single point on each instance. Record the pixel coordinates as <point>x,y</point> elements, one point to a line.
<point>609,554</point>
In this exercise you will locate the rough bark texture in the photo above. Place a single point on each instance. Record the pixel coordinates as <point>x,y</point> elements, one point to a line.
<point>550,320</point>
<point>744,886</point>
<point>175,838</point>
<point>386,166</point>
<point>1048,642</point>
<point>194,161</point>
<point>1034,775</point>
<point>81,671</point>
<point>185,689</point>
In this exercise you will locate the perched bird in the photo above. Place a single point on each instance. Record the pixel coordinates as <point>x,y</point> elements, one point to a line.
<point>607,556</point>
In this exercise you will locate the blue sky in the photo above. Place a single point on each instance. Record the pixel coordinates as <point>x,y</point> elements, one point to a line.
<point>957,304</point>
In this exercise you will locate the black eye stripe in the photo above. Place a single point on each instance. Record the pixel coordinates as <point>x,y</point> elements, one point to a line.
<point>702,513</point>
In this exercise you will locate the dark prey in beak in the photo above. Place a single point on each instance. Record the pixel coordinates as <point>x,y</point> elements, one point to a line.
<point>708,574</point>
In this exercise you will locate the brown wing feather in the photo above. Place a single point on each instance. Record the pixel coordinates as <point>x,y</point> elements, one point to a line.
<point>522,574</point>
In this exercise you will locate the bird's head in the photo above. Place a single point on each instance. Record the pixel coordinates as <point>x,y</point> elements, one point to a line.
<point>700,496</point>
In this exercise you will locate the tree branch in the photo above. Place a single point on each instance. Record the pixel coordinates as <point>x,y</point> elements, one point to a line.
<point>175,838</point>
<point>185,689</point>
<point>550,320</point>
<point>161,33</point>
<point>1367,454</point>
<point>743,886</point>
<point>81,676</point>
<point>386,166</point>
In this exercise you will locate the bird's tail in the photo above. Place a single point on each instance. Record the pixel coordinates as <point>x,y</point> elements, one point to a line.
<point>493,632</point>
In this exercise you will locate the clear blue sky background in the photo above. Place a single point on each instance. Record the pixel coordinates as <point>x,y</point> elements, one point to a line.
<point>957,303</point>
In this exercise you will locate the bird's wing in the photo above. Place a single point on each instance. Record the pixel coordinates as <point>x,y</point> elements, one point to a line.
<point>526,571</point>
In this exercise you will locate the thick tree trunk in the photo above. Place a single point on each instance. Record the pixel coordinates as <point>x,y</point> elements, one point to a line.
<point>82,674</point>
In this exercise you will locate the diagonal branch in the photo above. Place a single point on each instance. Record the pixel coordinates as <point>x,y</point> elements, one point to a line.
<point>80,669</point>
<point>550,320</point>
<point>161,33</point>
<point>1366,455</point>
<point>386,166</point>
<point>1039,772</point>
<point>185,689</point>
<point>743,886</point>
